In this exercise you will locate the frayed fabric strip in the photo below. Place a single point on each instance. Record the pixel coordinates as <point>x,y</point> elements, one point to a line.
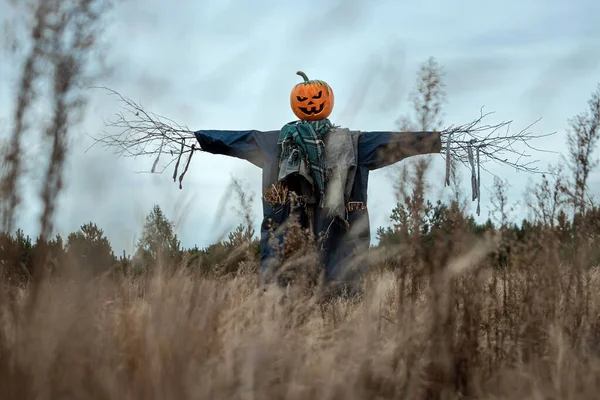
<point>473,172</point>
<point>478,183</point>
<point>475,175</point>
<point>158,156</point>
<point>447,183</point>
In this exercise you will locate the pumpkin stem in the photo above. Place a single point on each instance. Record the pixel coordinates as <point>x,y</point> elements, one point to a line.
<point>303,75</point>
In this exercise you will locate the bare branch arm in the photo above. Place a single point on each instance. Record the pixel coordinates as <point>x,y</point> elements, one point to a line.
<point>136,132</point>
<point>495,142</point>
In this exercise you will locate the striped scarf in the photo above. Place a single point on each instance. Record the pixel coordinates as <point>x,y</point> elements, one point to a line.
<point>307,136</point>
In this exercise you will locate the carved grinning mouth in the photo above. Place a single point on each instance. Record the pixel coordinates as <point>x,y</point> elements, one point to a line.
<point>312,110</point>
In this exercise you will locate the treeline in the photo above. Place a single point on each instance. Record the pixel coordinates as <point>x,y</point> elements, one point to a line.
<point>88,250</point>
<point>424,232</point>
<point>412,231</point>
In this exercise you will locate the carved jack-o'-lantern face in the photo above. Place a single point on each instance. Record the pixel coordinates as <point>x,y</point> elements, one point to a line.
<point>311,100</point>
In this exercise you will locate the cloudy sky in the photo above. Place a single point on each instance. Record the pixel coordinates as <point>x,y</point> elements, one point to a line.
<point>231,64</point>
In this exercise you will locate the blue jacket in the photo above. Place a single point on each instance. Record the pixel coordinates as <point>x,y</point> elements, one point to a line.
<point>343,244</point>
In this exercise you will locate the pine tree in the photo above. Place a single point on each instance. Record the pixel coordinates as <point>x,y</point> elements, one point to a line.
<point>158,242</point>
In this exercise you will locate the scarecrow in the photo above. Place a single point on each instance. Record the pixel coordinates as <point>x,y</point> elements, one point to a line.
<point>322,170</point>
<point>315,171</point>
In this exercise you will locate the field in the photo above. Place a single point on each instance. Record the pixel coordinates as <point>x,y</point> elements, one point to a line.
<point>499,314</point>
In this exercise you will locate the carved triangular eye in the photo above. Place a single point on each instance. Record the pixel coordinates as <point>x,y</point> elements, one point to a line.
<point>300,98</point>
<point>318,95</point>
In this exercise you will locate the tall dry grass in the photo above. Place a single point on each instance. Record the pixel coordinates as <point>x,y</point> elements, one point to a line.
<point>439,319</point>
<point>528,331</point>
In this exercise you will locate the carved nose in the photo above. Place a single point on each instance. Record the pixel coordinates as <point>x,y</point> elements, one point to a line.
<point>310,103</point>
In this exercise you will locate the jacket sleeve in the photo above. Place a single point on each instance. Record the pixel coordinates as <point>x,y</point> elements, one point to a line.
<point>381,149</point>
<point>249,145</point>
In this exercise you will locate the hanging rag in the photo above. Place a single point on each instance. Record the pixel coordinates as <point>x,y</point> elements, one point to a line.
<point>475,175</point>
<point>306,137</point>
<point>473,172</point>
<point>478,182</point>
<point>341,159</point>
<point>162,143</point>
<point>448,147</point>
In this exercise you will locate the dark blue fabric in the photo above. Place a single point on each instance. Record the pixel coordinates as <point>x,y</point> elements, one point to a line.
<point>375,150</point>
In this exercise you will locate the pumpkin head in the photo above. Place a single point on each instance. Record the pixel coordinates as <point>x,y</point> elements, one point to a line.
<point>311,100</point>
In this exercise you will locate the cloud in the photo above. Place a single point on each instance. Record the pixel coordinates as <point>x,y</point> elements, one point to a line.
<point>581,61</point>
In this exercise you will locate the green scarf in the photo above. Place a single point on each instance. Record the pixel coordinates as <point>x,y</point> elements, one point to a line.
<point>307,136</point>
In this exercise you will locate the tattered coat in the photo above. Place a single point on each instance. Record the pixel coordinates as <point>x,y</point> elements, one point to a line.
<point>346,240</point>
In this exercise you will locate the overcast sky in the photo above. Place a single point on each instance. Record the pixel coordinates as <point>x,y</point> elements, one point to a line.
<point>231,65</point>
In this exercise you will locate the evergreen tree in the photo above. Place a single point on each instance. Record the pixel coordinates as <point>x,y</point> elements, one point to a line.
<point>158,242</point>
<point>89,247</point>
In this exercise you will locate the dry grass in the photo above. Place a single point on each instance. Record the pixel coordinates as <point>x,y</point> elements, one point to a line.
<point>472,331</point>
